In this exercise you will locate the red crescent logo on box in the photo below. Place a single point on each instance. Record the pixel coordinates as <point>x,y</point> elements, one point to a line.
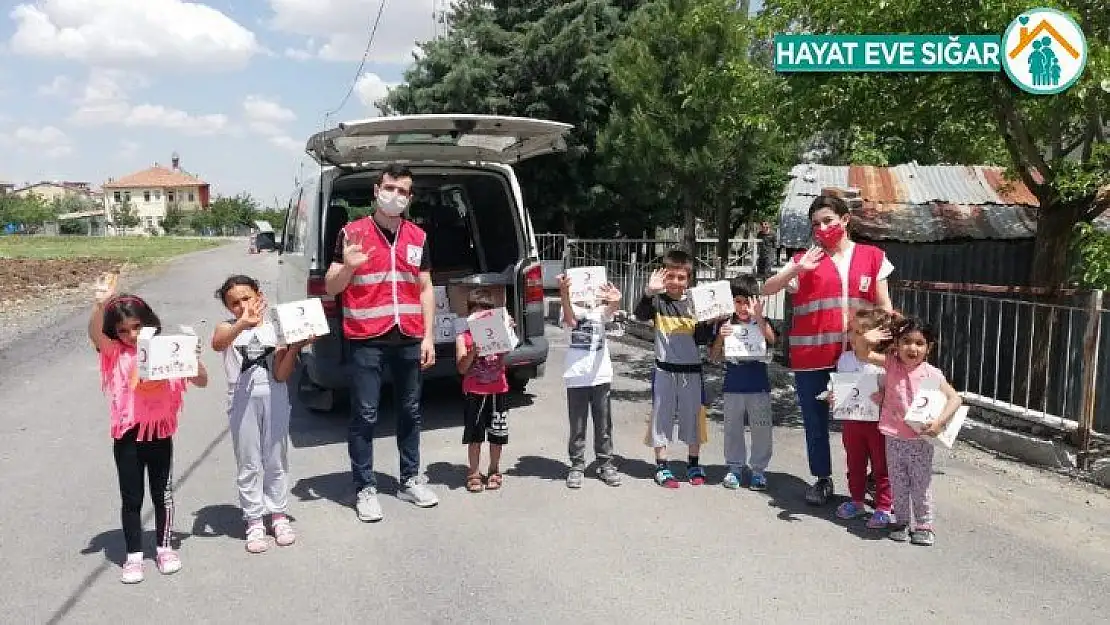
<point>924,402</point>
<point>176,347</point>
<point>855,392</point>
<point>489,333</point>
<point>142,356</point>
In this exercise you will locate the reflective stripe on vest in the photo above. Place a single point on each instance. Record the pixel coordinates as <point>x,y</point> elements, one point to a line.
<point>382,311</point>
<point>813,340</point>
<point>829,303</point>
<point>384,276</point>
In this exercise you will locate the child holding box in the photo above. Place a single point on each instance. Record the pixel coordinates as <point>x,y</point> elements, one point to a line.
<point>258,409</point>
<point>588,373</point>
<point>485,415</point>
<point>747,392</point>
<point>144,420</point>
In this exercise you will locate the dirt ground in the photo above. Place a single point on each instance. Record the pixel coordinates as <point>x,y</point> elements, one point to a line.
<point>24,279</point>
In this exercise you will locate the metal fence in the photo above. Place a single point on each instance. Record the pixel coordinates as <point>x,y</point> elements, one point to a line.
<point>1034,359</point>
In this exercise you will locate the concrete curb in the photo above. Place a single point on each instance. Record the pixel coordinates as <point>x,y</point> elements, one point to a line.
<point>1040,451</point>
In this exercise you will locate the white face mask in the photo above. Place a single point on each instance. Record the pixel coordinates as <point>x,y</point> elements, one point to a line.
<point>392,204</point>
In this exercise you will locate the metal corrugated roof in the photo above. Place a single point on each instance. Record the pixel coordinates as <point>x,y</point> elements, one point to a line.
<point>914,203</point>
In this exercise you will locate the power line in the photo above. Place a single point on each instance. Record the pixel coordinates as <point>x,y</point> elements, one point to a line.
<point>361,65</point>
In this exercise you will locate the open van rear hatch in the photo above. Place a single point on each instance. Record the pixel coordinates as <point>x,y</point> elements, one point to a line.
<point>438,138</point>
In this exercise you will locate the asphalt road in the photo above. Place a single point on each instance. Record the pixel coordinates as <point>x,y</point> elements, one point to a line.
<point>1015,545</point>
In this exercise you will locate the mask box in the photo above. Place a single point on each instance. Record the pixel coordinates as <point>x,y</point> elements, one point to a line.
<point>167,357</point>
<point>711,300</point>
<point>298,321</point>
<point>492,331</point>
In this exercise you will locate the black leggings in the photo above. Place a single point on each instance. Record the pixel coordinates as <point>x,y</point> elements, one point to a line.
<point>154,459</point>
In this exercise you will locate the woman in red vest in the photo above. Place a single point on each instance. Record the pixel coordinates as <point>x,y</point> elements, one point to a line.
<point>826,282</point>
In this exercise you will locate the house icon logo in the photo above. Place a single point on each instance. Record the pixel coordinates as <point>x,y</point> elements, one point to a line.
<point>1044,51</point>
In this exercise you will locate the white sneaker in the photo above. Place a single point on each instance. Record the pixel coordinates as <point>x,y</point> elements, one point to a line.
<point>414,490</point>
<point>367,506</point>
<point>132,572</point>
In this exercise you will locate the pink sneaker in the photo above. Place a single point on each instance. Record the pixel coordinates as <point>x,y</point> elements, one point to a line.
<point>168,562</point>
<point>132,572</point>
<point>283,531</point>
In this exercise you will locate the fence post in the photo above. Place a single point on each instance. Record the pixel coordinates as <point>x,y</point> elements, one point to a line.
<point>1090,377</point>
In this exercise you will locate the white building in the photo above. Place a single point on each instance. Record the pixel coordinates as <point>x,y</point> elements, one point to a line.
<point>154,191</point>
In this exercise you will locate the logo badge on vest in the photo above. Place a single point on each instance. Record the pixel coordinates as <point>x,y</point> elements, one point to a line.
<point>864,284</point>
<point>414,254</point>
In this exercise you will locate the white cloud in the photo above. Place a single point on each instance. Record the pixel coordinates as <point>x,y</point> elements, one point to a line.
<point>45,141</point>
<point>125,33</point>
<point>60,86</point>
<point>267,118</point>
<point>104,101</point>
<point>344,26</point>
<point>370,88</point>
<point>287,143</point>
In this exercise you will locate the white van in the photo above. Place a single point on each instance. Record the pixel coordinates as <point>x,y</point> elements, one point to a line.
<point>465,196</point>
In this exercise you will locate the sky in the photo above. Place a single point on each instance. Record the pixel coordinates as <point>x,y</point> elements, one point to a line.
<point>99,89</point>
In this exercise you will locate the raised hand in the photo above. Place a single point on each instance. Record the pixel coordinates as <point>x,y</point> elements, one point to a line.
<point>878,335</point>
<point>610,293</point>
<point>757,308</point>
<point>812,258</point>
<point>252,313</point>
<point>656,283</point>
<point>105,287</point>
<point>564,283</point>
<point>726,330</point>
<point>354,256</point>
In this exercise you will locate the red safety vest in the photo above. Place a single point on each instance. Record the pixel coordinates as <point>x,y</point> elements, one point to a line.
<point>385,291</point>
<point>817,331</point>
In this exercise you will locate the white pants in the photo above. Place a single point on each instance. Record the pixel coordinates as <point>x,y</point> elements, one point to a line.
<point>260,434</point>
<point>757,408</point>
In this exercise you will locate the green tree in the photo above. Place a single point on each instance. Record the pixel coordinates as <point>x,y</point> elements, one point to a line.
<point>229,212</point>
<point>694,123</point>
<point>175,218</point>
<point>30,211</point>
<point>124,216</point>
<point>1056,145</point>
<point>544,59</point>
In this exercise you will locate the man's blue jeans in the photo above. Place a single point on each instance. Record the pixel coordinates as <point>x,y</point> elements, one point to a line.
<point>368,360</point>
<point>815,418</point>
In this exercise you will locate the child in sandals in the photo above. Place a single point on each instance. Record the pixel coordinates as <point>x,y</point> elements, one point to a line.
<point>485,388</point>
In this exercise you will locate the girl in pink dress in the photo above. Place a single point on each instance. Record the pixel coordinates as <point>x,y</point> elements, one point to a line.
<point>143,422</point>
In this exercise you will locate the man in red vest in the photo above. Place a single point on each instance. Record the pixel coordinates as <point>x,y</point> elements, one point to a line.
<point>381,266</point>
<point>827,282</point>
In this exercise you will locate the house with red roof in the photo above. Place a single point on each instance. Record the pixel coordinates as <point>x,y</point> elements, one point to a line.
<point>153,191</point>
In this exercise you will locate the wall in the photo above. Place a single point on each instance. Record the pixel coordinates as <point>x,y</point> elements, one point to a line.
<point>967,262</point>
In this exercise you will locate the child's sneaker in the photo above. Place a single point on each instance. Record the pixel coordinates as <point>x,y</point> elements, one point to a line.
<point>168,561</point>
<point>132,571</point>
<point>256,538</point>
<point>850,510</point>
<point>283,531</point>
<point>696,475</point>
<point>758,482</point>
<point>608,473</point>
<point>818,494</point>
<point>899,533</point>
<point>665,478</point>
<point>879,520</point>
<point>574,478</point>
<point>731,480</point>
<point>923,537</point>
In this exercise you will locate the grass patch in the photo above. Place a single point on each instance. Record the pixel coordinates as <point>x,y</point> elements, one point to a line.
<point>137,250</point>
